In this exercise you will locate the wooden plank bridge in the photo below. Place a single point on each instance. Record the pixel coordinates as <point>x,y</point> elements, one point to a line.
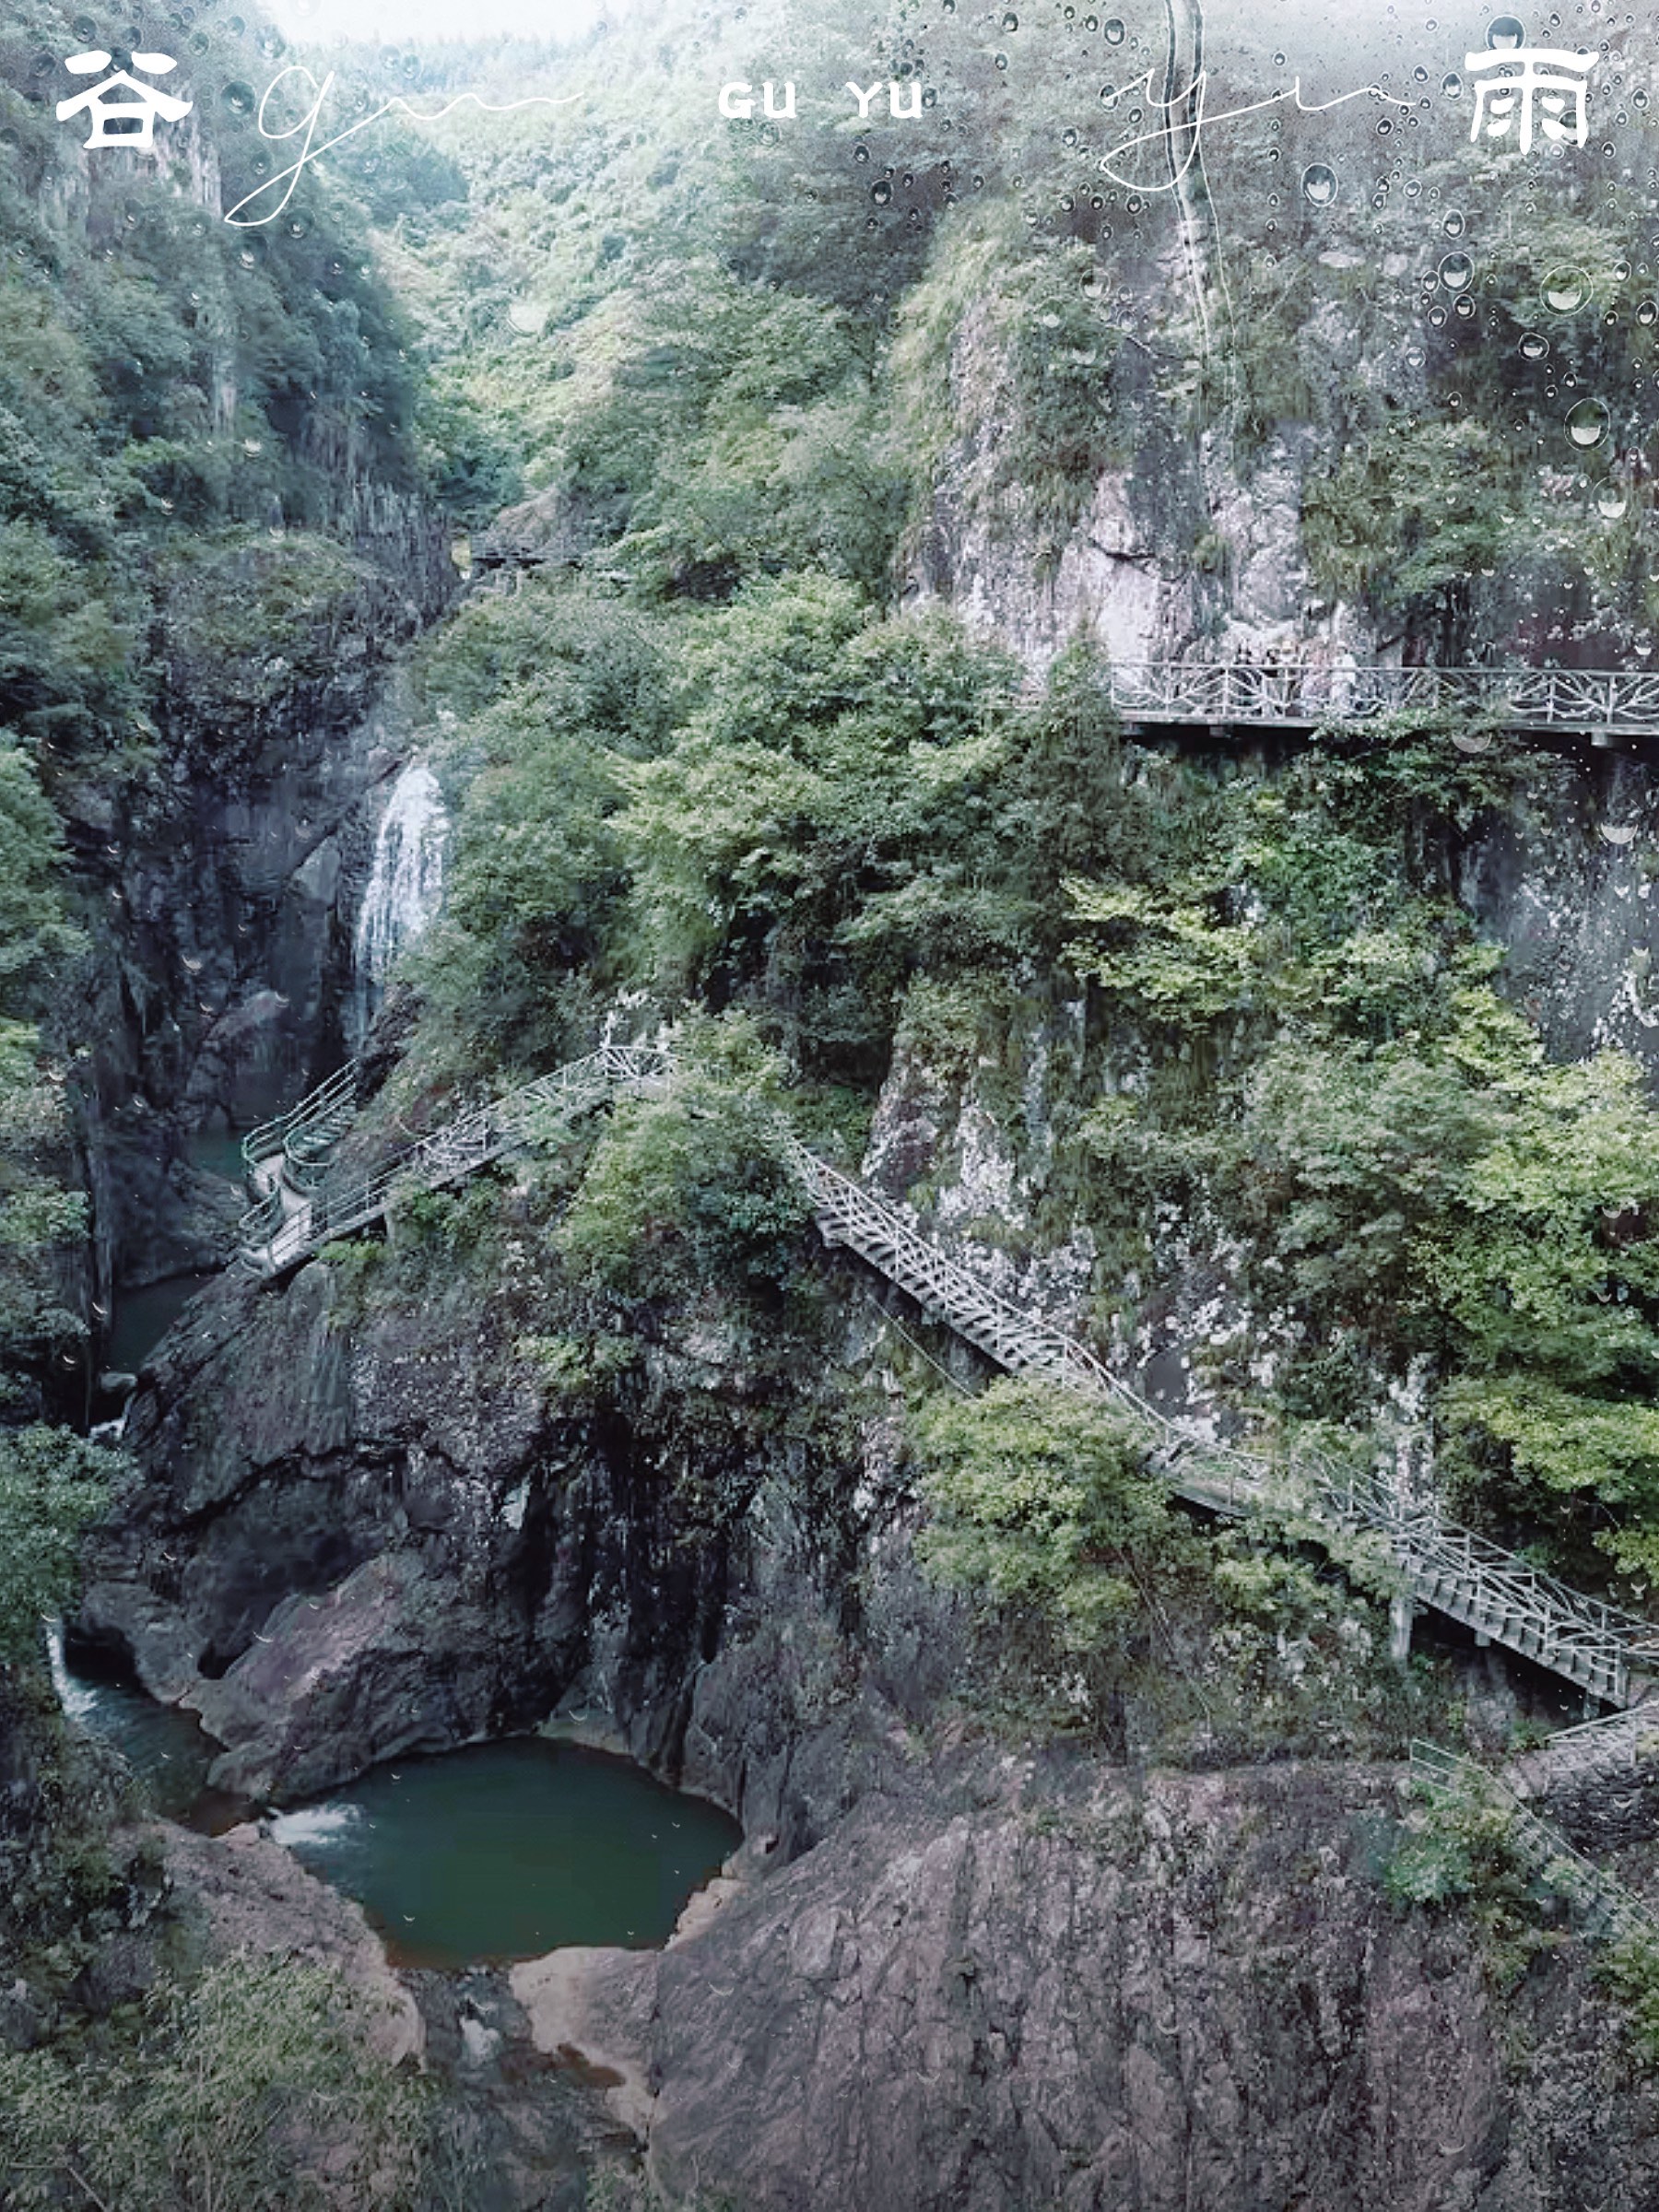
<point>1606,706</point>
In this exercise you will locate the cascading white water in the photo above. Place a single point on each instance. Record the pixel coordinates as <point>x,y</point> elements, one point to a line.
<point>77,1699</point>
<point>405,886</point>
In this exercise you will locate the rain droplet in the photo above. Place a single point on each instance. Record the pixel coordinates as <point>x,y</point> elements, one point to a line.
<point>237,97</point>
<point>881,193</point>
<point>1611,503</point>
<point>1437,317</point>
<point>1565,290</point>
<point>1647,314</point>
<point>1319,185</point>
<point>1010,21</point>
<point>1533,346</point>
<point>1456,271</point>
<point>86,30</point>
<point>1450,84</point>
<point>1465,308</point>
<point>1002,61</point>
<point>1384,127</point>
<point>1111,30</point>
<point>1453,224</point>
<point>1587,422</point>
<point>1505,32</point>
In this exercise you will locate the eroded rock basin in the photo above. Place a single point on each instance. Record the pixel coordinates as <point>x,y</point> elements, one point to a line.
<point>492,1852</point>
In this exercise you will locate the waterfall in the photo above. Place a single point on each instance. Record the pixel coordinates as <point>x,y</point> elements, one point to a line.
<point>78,1701</point>
<point>405,886</point>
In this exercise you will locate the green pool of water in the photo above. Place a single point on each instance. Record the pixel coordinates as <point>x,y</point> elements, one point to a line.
<point>143,1317</point>
<point>219,1152</point>
<point>506,1850</point>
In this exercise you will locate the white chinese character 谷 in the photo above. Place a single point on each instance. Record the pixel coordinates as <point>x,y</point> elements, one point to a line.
<point>122,121</point>
<point>1548,76</point>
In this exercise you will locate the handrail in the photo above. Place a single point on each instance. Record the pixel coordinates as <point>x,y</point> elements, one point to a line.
<point>271,1137</point>
<point>273,1239</point>
<point>1443,1773</point>
<point>1451,1569</point>
<point>1600,700</point>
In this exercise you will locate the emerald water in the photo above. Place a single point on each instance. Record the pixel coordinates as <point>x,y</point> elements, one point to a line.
<point>498,1850</point>
<point>506,1850</point>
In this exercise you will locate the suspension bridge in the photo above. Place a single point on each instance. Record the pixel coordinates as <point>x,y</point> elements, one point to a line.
<point>304,1202</point>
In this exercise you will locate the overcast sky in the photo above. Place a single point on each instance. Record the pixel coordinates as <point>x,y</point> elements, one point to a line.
<point>408,22</point>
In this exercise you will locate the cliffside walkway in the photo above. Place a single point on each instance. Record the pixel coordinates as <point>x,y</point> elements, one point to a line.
<point>1608,1908</point>
<point>1602,704</point>
<point>301,1207</point>
<point>1501,1597</point>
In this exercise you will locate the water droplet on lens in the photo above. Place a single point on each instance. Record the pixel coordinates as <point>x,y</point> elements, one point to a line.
<point>1504,31</point>
<point>1437,317</point>
<point>1319,185</point>
<point>1450,84</point>
<point>1647,314</point>
<point>1010,21</point>
<point>1456,271</point>
<point>86,30</point>
<point>1453,225</point>
<point>1611,503</point>
<point>1465,308</point>
<point>1587,422</point>
<point>1002,61</point>
<point>239,98</point>
<point>1384,127</point>
<point>1565,290</point>
<point>1533,346</point>
<point>1111,30</point>
<point>881,193</point>
<point>861,153</point>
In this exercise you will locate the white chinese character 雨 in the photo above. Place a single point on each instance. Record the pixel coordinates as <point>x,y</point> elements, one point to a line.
<point>1548,76</point>
<point>122,121</point>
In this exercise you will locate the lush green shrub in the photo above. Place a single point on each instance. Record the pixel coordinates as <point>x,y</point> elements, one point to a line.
<point>1041,1503</point>
<point>254,2085</point>
<point>691,1189</point>
<point>52,1483</point>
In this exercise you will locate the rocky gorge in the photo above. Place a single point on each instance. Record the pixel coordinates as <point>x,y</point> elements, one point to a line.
<point>727,654</point>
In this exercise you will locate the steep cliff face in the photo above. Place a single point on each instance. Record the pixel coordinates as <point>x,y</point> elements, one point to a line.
<point>235,881</point>
<point>1024,1985</point>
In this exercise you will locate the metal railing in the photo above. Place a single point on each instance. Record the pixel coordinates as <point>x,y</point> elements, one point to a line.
<point>1612,703</point>
<point>1450,1569</point>
<point>1591,1752</point>
<point>278,1233</point>
<point>300,1132</point>
<point>1605,1901</point>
